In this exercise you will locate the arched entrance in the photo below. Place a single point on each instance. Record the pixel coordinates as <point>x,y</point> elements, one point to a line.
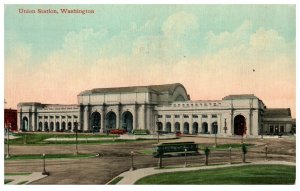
<point>239,125</point>
<point>111,120</point>
<point>75,126</point>
<point>51,126</point>
<point>214,129</point>
<point>63,126</point>
<point>40,126</point>
<point>127,121</point>
<point>57,126</point>
<point>69,126</point>
<point>204,127</point>
<point>46,127</point>
<point>159,126</point>
<point>177,127</point>
<point>186,128</point>
<point>25,124</point>
<point>168,127</point>
<point>95,122</point>
<point>195,128</point>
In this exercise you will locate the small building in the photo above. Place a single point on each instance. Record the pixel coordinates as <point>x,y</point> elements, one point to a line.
<point>10,119</point>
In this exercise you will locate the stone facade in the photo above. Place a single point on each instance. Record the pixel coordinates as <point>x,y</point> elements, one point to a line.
<point>160,107</point>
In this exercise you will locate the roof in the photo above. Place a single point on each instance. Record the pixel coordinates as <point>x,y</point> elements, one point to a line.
<point>134,89</point>
<point>277,113</point>
<point>240,96</point>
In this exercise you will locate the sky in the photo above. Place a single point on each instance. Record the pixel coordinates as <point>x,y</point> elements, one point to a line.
<point>213,50</point>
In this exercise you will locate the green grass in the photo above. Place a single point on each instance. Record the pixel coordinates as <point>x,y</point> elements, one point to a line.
<point>6,181</point>
<point>250,174</point>
<point>146,151</point>
<point>115,181</point>
<point>17,174</point>
<point>40,139</point>
<point>23,182</point>
<point>225,146</point>
<point>50,156</point>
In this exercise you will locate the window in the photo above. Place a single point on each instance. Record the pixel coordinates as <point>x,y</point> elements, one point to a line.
<point>195,116</point>
<point>168,116</point>
<point>51,117</point>
<point>214,116</point>
<point>159,116</point>
<point>185,116</point>
<point>204,116</point>
<point>215,104</point>
<point>176,116</point>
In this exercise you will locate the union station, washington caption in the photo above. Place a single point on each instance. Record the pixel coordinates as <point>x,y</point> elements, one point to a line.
<point>165,107</point>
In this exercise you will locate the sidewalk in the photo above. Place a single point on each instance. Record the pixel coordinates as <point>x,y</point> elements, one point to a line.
<point>130,177</point>
<point>24,179</point>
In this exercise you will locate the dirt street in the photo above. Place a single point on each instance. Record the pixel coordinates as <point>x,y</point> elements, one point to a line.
<point>116,158</point>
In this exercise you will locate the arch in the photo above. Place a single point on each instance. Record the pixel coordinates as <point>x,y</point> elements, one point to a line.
<point>57,126</point>
<point>75,126</point>
<point>239,125</point>
<point>159,126</point>
<point>186,128</point>
<point>51,126</point>
<point>25,124</point>
<point>111,120</point>
<point>214,127</point>
<point>40,126</point>
<point>204,127</point>
<point>69,126</point>
<point>168,127</point>
<point>46,127</point>
<point>179,98</point>
<point>63,126</point>
<point>95,121</point>
<point>127,121</point>
<point>177,127</point>
<point>195,128</point>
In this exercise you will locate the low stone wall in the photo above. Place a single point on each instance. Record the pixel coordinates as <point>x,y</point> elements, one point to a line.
<point>150,137</point>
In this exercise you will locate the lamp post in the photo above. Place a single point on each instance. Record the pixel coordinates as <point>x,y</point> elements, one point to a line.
<point>44,166</point>
<point>76,138</point>
<point>157,123</point>
<point>7,142</point>
<point>185,160</point>
<point>266,152</point>
<point>230,161</point>
<point>215,131</point>
<point>131,154</point>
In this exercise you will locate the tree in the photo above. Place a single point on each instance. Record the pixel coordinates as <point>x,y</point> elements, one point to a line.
<point>206,151</point>
<point>245,150</point>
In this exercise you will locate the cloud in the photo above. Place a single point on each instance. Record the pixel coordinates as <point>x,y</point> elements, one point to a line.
<point>180,23</point>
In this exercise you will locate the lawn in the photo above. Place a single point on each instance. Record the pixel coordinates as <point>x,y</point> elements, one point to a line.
<point>50,156</point>
<point>249,174</point>
<point>40,139</point>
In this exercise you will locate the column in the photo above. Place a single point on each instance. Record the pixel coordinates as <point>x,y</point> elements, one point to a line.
<point>86,118</point>
<point>173,123</point>
<point>20,119</point>
<point>191,124</point>
<point>200,124</point>
<point>148,118</point>
<point>118,116</point>
<point>143,116</point>
<point>248,125</point>
<point>134,116</point>
<point>250,122</point>
<point>102,119</point>
<point>33,120</point>
<point>181,124</point>
<point>209,123</point>
<point>220,126</point>
<point>163,122</point>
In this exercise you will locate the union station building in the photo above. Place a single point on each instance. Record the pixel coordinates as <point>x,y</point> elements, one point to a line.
<point>165,108</point>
